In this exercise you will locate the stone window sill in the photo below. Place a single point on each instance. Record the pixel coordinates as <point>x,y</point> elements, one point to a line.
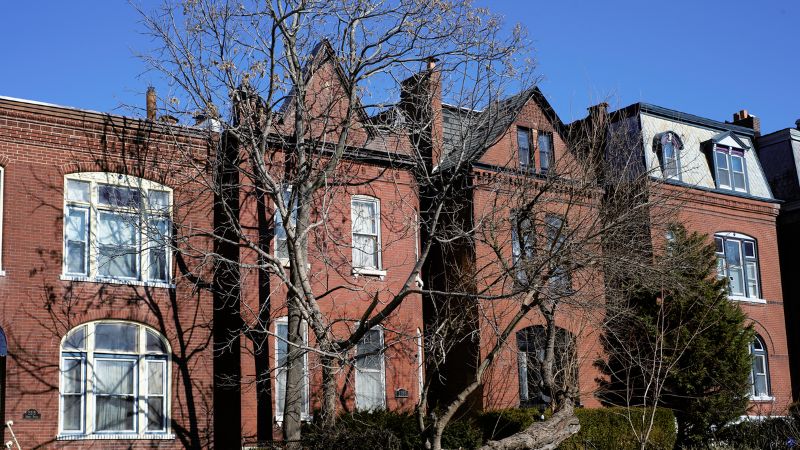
<point>155,284</point>
<point>120,436</point>
<point>739,298</point>
<point>369,272</point>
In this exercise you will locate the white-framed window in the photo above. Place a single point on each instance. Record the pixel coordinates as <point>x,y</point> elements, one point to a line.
<point>759,371</point>
<point>117,228</point>
<point>281,247</point>
<point>730,167</point>
<point>370,371</point>
<point>366,236</point>
<point>2,206</point>
<point>114,382</point>
<point>737,259</point>
<point>281,354</point>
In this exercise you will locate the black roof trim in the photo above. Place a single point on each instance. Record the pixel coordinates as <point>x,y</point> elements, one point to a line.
<point>682,116</point>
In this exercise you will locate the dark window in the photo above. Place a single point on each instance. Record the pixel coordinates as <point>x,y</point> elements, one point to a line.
<point>522,241</point>
<point>556,230</point>
<point>669,146</point>
<point>531,359</point>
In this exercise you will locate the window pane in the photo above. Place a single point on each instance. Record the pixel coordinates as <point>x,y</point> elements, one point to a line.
<point>721,267</point>
<point>155,378</point>
<point>369,348</point>
<point>545,150</point>
<point>116,229</point>
<point>719,245</point>
<point>722,160</point>
<point>760,387</point>
<point>118,196</point>
<point>114,413</point>
<point>749,249</point>
<point>733,259</point>
<point>155,413</point>
<point>752,279</point>
<point>159,232</point>
<point>75,232</point>
<point>114,377</point>
<point>370,394</point>
<point>283,346</point>
<point>738,181</point>
<point>78,190</point>
<point>115,337</point>
<point>737,164</point>
<point>76,340</point>
<point>365,217</point>
<point>72,380</point>
<point>154,344</point>
<point>159,200</point>
<point>524,146</point>
<point>71,414</point>
<point>365,251</point>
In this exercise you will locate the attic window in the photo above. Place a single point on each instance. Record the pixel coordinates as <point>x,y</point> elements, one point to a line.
<point>668,146</point>
<point>730,168</point>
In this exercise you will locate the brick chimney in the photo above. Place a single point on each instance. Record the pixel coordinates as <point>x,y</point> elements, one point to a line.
<point>421,100</point>
<point>745,119</point>
<point>151,103</point>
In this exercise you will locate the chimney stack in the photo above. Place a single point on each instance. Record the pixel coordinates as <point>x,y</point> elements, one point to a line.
<point>747,120</point>
<point>151,103</point>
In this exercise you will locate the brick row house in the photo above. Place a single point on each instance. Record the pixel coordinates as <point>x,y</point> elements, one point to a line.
<point>111,338</point>
<point>710,173</point>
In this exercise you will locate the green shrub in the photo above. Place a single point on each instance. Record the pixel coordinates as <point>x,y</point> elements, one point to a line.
<point>606,428</point>
<point>385,429</point>
<point>610,428</point>
<point>502,423</point>
<point>771,433</point>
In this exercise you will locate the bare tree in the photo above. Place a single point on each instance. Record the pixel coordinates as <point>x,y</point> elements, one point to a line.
<point>303,93</point>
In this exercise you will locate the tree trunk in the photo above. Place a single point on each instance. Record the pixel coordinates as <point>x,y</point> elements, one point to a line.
<point>328,411</point>
<point>293,405</point>
<point>547,435</point>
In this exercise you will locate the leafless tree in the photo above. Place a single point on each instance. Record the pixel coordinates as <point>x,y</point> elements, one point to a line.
<point>303,91</point>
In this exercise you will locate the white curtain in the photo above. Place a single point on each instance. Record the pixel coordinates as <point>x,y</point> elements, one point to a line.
<point>114,396</point>
<point>116,241</point>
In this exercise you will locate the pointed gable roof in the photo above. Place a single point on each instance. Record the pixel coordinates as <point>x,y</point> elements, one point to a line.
<point>730,139</point>
<point>469,134</point>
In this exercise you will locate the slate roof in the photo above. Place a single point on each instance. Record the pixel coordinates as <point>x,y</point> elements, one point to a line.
<point>468,133</point>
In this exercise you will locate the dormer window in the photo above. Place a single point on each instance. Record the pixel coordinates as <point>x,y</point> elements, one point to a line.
<point>668,148</point>
<point>730,167</point>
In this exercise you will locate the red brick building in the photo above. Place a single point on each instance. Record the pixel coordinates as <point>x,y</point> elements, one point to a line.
<point>715,183</point>
<point>107,337</point>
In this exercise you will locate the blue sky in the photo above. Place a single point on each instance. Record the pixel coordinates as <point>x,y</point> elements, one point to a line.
<point>706,57</point>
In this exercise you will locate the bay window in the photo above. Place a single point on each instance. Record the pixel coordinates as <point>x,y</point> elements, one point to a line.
<point>114,382</point>
<point>116,228</point>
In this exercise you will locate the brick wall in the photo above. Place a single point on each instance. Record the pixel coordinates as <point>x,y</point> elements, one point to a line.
<point>38,146</point>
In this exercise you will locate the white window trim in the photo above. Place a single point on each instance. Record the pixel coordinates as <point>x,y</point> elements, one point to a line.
<point>743,298</point>
<point>304,416</point>
<point>382,372</point>
<point>88,397</point>
<point>2,207</point>
<point>143,255</point>
<point>726,151</point>
<point>368,271</point>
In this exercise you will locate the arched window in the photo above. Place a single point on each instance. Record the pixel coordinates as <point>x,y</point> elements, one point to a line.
<point>114,381</point>
<point>116,228</point>
<point>759,373</point>
<point>531,357</point>
<point>737,259</point>
<point>668,146</point>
